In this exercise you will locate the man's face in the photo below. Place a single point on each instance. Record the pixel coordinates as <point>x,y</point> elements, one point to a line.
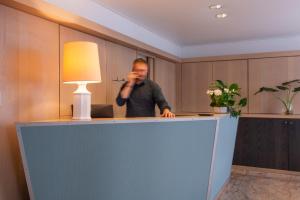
<point>141,70</point>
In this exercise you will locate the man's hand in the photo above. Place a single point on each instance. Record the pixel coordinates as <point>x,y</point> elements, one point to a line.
<point>131,77</point>
<point>168,113</point>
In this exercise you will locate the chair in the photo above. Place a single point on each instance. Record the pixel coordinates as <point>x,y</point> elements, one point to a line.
<point>100,110</point>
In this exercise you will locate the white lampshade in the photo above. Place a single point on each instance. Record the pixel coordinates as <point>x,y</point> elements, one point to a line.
<point>81,62</point>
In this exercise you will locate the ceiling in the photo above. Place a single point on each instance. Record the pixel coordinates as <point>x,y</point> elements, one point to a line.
<point>191,22</point>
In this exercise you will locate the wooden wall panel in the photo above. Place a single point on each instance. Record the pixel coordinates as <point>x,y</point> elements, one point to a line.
<point>196,78</point>
<point>294,73</point>
<point>98,90</point>
<point>165,76</point>
<point>178,88</point>
<point>235,71</point>
<point>270,72</point>
<point>119,64</point>
<point>29,87</point>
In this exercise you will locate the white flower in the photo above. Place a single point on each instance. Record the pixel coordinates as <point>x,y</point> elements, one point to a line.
<point>226,90</point>
<point>218,92</point>
<point>210,92</point>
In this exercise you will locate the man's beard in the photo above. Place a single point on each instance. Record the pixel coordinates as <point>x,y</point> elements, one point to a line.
<point>141,78</point>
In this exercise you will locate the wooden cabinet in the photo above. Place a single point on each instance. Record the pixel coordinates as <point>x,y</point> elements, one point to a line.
<point>268,143</point>
<point>294,144</point>
<point>119,64</point>
<point>270,72</point>
<point>98,90</point>
<point>165,76</point>
<point>196,78</point>
<point>234,71</point>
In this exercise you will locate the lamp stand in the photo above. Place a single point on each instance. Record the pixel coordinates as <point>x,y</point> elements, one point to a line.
<point>82,103</point>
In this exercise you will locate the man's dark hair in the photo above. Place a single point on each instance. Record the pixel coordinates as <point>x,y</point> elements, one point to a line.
<point>140,60</point>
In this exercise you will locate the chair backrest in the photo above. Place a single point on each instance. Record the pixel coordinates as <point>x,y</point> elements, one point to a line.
<point>100,110</point>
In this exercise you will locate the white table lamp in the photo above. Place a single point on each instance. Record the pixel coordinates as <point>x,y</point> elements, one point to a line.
<point>81,66</point>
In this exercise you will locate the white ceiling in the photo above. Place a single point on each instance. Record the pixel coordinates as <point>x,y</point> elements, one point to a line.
<point>191,22</point>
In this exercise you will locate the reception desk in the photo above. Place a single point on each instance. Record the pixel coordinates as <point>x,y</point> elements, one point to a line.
<point>186,158</point>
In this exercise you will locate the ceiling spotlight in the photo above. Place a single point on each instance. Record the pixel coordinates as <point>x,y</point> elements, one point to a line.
<point>216,6</point>
<point>222,15</point>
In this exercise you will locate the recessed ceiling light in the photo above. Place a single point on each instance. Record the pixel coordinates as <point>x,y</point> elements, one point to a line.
<point>221,15</point>
<point>216,6</point>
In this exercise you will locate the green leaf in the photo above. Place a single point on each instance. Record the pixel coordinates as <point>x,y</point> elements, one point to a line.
<point>220,84</point>
<point>289,82</point>
<point>243,102</point>
<point>297,89</point>
<point>231,102</point>
<point>282,87</point>
<point>265,89</point>
<point>234,86</point>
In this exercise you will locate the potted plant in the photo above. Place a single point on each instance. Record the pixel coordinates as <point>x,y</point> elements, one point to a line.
<point>289,88</point>
<point>226,98</point>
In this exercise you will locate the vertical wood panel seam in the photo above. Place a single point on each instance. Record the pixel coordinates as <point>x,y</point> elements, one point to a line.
<point>59,73</point>
<point>248,87</point>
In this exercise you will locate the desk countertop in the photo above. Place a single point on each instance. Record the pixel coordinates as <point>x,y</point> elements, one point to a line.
<point>69,121</point>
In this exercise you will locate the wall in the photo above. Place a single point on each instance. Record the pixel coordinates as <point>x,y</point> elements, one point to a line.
<point>31,87</point>
<point>29,75</point>
<point>250,71</point>
<point>288,43</point>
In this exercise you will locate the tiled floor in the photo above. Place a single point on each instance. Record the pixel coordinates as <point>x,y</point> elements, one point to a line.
<point>249,183</point>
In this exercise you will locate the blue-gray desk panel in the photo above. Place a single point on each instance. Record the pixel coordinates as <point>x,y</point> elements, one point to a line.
<point>132,161</point>
<point>223,154</point>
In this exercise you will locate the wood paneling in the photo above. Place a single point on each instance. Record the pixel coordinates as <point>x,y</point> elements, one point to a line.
<point>270,72</point>
<point>165,76</point>
<point>235,71</point>
<point>53,13</point>
<point>196,78</point>
<point>119,64</point>
<point>98,90</point>
<point>29,86</point>
<point>178,88</point>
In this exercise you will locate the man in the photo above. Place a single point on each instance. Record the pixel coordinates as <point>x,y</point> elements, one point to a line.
<point>141,95</point>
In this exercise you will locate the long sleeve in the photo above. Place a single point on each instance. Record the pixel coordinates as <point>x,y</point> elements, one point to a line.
<point>160,99</point>
<point>119,100</point>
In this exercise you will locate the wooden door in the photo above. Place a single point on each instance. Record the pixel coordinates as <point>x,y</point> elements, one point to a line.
<point>234,71</point>
<point>196,78</point>
<point>119,64</point>
<point>246,145</point>
<point>294,145</point>
<point>165,76</point>
<point>270,72</point>
<point>98,90</point>
<point>262,143</point>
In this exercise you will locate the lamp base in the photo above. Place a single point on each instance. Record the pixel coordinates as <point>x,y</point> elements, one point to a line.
<point>82,103</point>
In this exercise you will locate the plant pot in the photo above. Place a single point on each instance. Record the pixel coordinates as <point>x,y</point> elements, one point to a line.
<point>220,110</point>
